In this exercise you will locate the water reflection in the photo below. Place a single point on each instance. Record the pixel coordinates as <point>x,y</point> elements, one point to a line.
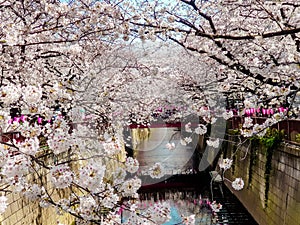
<point>183,205</point>
<point>151,149</point>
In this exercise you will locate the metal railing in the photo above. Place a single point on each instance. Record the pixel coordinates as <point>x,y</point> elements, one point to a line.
<point>291,127</point>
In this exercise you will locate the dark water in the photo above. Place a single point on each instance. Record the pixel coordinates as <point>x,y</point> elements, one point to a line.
<point>153,150</point>
<point>191,194</point>
<point>181,185</point>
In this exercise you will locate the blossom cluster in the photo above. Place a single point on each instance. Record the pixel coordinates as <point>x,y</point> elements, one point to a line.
<point>131,165</point>
<point>216,207</point>
<point>159,212</point>
<point>214,143</point>
<point>157,171</point>
<point>130,187</point>
<point>249,129</point>
<point>61,176</point>
<point>91,176</point>
<point>87,207</point>
<point>238,184</point>
<point>34,192</point>
<point>225,163</point>
<point>170,146</point>
<point>201,129</point>
<point>3,204</point>
<point>28,146</point>
<point>16,166</point>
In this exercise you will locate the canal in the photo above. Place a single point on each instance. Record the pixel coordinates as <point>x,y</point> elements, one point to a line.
<point>190,192</point>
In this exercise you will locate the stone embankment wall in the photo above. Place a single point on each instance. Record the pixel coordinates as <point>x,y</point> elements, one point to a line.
<point>21,211</point>
<point>272,182</point>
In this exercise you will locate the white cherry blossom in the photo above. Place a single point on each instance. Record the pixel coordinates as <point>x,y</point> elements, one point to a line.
<point>214,143</point>
<point>34,192</point>
<point>201,129</point>
<point>131,164</point>
<point>3,204</point>
<point>170,146</point>
<point>61,176</point>
<point>10,94</point>
<point>129,187</point>
<point>227,115</point>
<point>225,163</point>
<point>16,166</point>
<point>86,208</point>
<point>91,176</point>
<point>188,127</point>
<point>238,184</point>
<point>32,94</point>
<point>29,146</point>
<point>248,122</point>
<point>157,171</point>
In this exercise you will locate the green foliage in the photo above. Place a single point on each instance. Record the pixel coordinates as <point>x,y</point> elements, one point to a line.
<point>298,138</point>
<point>233,131</point>
<point>272,138</point>
<point>270,141</point>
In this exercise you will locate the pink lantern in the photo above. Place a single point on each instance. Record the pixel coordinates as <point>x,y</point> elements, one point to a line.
<point>39,120</point>
<point>247,112</point>
<point>23,118</point>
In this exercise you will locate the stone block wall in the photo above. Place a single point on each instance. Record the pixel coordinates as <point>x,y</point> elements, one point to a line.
<point>21,211</point>
<point>272,198</point>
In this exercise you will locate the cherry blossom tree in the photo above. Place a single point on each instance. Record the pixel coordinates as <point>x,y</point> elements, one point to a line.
<point>61,74</point>
<point>254,43</point>
<point>251,47</point>
<point>68,85</point>
<point>72,76</point>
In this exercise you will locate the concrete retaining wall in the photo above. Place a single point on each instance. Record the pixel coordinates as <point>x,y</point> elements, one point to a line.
<point>272,199</point>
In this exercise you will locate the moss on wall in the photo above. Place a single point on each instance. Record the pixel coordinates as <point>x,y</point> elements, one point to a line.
<point>272,193</point>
